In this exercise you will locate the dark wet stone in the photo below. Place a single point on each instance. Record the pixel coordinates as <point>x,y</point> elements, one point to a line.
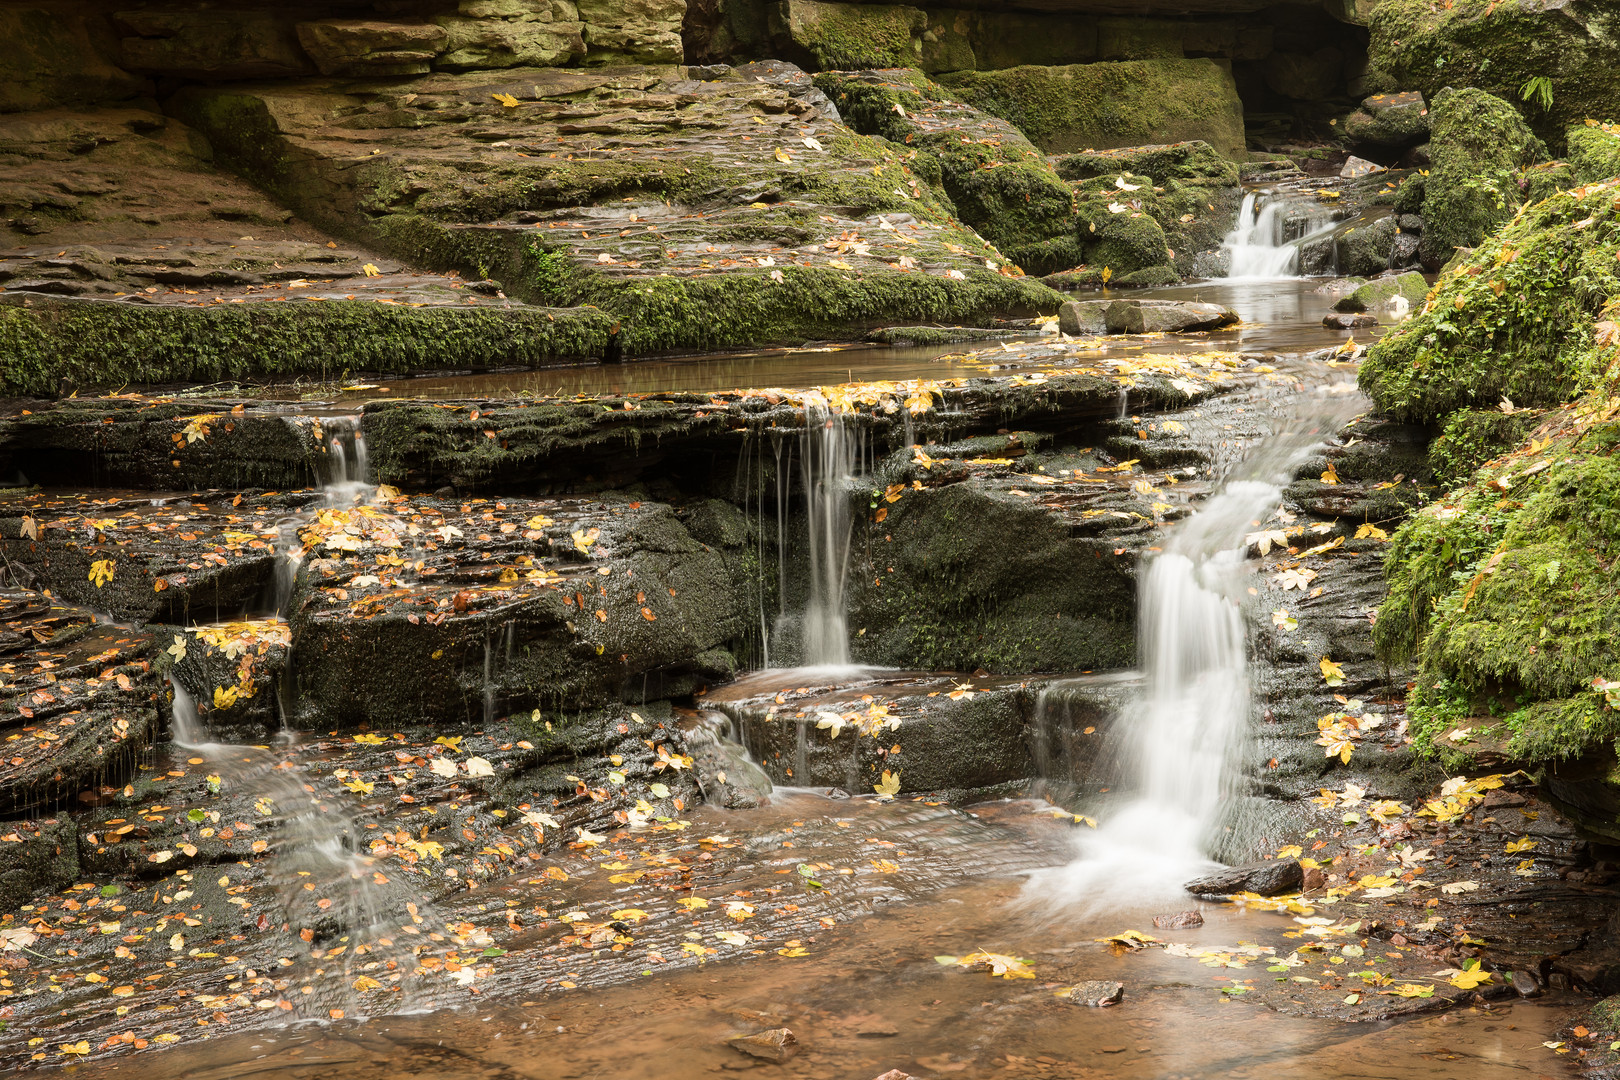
<point>1339,321</point>
<point>1097,994</point>
<point>1264,878</point>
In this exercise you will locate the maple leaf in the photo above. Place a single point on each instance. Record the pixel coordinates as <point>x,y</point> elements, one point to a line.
<point>1365,531</point>
<point>178,649</point>
<point>370,740</point>
<point>101,572</point>
<point>443,766</point>
<point>1469,978</point>
<point>889,787</point>
<point>13,938</point>
<point>506,100</point>
<point>1332,672</point>
<point>477,766</point>
<point>1523,843</point>
<point>1265,538</point>
<point>830,722</point>
<point>1410,990</point>
<point>1282,620</point>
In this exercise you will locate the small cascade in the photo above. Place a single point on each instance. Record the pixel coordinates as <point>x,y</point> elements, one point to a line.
<point>1181,739</point>
<point>827,464</point>
<point>497,659</point>
<point>1273,226</point>
<point>347,463</point>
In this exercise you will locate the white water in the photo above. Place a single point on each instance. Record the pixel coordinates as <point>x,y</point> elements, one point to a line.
<point>1271,226</point>
<point>1184,737</point>
<point>826,464</point>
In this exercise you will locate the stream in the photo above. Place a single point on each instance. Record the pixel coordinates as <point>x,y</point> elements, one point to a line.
<point>836,914</point>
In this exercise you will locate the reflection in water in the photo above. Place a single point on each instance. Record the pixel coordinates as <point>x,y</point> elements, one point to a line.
<point>1281,315</point>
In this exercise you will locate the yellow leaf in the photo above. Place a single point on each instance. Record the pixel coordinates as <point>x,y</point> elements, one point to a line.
<point>1523,843</point>
<point>999,965</point>
<point>370,740</point>
<point>101,572</point>
<point>1332,672</point>
<point>371,270</point>
<point>1467,980</point>
<point>890,785</point>
<point>783,155</point>
<point>506,99</point>
<point>1107,272</point>
<point>366,982</point>
<point>1331,476</point>
<point>1373,531</point>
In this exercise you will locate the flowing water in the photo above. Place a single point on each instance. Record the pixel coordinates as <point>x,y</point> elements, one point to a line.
<point>1273,225</point>
<point>1177,766</point>
<point>827,465</point>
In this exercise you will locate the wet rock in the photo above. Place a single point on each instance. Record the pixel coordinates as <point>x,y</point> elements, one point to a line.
<point>895,1074</point>
<point>1185,921</point>
<point>1097,994</point>
<point>1525,984</point>
<point>1165,316</point>
<point>1365,250</point>
<point>485,36</point>
<point>1392,120</point>
<point>1348,322</point>
<point>777,1045</point>
<point>1355,168</point>
<point>1264,878</point>
<point>165,445</point>
<point>725,773</point>
<point>211,46</point>
<point>56,57</point>
<point>1082,318</point>
<point>80,702</point>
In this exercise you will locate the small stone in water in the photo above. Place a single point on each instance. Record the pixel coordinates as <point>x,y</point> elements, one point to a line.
<point>895,1074</point>
<point>1097,994</point>
<point>1185,921</point>
<point>776,1045</point>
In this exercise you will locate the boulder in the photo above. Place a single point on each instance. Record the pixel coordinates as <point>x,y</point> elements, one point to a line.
<point>1083,318</point>
<point>1363,250</point>
<point>1575,45</point>
<point>1410,287</point>
<point>1194,160</point>
<point>372,46</point>
<point>1355,168</point>
<point>1479,145</point>
<point>1165,316</point>
<point>1186,920</point>
<point>213,46</point>
<point>1122,103</point>
<point>1263,878</point>
<point>1338,321</point>
<point>1393,120</point>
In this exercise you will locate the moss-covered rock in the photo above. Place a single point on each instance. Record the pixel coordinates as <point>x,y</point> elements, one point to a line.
<point>1473,437</point>
<point>1516,318</point>
<point>835,35</point>
<point>1366,248</point>
<point>1480,143</point>
<point>1410,287</point>
<point>1395,120</point>
<point>1593,151</point>
<point>995,178</point>
<point>1127,103</point>
<point>1499,47</point>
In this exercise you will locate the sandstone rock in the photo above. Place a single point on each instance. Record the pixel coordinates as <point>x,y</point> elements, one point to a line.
<point>511,33</point>
<point>1122,103</point>
<point>1084,317</point>
<point>211,46</point>
<point>776,1045</point>
<point>1265,878</point>
<point>1165,316</point>
<point>1363,250</point>
<point>633,31</point>
<point>1395,120</point>
<point>372,46</point>
<point>1355,168</point>
<point>1096,994</point>
<point>56,58</point>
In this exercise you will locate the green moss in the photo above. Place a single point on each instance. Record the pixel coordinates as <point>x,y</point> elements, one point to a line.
<point>1194,160</point>
<point>1480,143</point>
<point>1497,46</point>
<point>996,180</point>
<point>1593,151</point>
<point>854,36</point>
<point>1474,436</point>
<point>1513,319</point>
<point>50,346</point>
<point>1129,103</point>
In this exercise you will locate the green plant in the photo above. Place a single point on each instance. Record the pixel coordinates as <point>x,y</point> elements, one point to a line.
<point>1539,90</point>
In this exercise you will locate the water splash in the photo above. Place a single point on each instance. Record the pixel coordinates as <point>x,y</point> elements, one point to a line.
<point>1272,226</point>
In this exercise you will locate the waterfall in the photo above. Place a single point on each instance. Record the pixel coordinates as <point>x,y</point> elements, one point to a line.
<point>826,463</point>
<point>1272,226</point>
<point>347,462</point>
<point>1182,740</point>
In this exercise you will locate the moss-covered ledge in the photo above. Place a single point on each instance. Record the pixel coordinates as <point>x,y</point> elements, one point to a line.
<point>51,345</point>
